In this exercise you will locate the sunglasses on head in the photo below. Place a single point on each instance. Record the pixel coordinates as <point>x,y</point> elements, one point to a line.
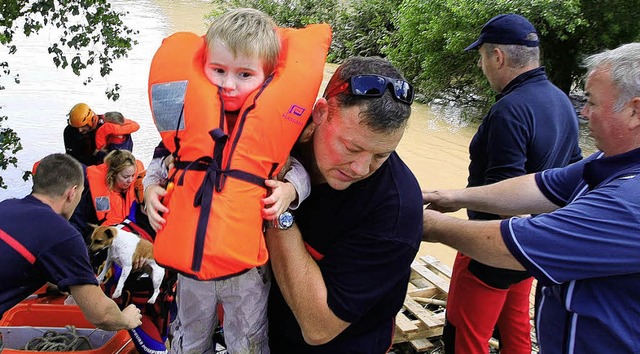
<point>374,86</point>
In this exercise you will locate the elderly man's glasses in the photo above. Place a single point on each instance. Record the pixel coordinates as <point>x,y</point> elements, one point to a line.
<point>374,86</point>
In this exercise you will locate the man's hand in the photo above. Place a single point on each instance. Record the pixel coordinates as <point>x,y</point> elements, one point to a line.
<point>101,311</point>
<point>132,316</point>
<point>152,197</point>
<point>282,194</point>
<point>143,252</point>
<point>441,201</point>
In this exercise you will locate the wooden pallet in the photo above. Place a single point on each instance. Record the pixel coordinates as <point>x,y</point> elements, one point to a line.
<point>429,284</point>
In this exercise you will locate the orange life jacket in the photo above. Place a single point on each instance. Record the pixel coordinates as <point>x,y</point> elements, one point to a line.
<point>214,227</point>
<point>111,207</point>
<point>114,133</point>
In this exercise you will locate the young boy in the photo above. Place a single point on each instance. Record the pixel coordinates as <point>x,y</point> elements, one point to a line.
<point>242,51</point>
<point>115,133</point>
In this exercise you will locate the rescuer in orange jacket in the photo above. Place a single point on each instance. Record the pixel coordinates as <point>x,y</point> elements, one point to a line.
<point>241,54</point>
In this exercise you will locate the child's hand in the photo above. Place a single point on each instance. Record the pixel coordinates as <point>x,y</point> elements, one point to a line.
<point>168,162</point>
<point>153,206</point>
<point>282,194</point>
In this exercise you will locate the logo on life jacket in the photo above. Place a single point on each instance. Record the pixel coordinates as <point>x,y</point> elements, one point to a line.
<point>295,111</point>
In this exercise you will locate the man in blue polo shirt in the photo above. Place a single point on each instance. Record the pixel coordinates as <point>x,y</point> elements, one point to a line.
<point>531,127</point>
<point>584,247</point>
<point>342,269</point>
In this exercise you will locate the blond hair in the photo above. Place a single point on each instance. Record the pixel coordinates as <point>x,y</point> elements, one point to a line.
<point>117,161</point>
<point>247,32</point>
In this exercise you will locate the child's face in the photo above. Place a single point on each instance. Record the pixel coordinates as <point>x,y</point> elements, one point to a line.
<point>237,76</point>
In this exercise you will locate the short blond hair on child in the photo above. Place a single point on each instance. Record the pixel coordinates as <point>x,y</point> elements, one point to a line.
<point>247,32</point>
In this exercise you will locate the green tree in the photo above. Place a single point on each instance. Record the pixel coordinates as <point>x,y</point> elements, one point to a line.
<point>363,27</point>
<point>360,27</point>
<point>286,13</point>
<point>91,34</point>
<point>431,36</point>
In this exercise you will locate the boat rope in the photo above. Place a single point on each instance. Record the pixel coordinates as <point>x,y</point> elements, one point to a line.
<point>52,341</point>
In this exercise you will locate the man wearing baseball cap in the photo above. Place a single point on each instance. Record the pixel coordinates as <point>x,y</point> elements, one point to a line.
<point>531,127</point>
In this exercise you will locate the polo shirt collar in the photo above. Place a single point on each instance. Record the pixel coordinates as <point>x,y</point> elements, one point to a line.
<point>520,79</point>
<point>599,170</point>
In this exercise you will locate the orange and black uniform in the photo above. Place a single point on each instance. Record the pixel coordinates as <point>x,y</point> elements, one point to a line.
<point>82,146</point>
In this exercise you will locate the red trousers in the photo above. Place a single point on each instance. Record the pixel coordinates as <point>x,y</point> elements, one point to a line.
<point>474,309</point>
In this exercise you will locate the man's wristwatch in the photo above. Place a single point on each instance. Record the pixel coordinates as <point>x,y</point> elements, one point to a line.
<point>283,221</point>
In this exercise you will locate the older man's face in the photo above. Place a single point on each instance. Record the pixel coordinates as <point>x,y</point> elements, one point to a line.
<point>607,126</point>
<point>347,151</point>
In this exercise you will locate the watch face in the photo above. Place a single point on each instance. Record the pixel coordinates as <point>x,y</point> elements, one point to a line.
<point>285,220</point>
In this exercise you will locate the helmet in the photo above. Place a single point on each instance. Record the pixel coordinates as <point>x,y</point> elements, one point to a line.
<point>81,115</point>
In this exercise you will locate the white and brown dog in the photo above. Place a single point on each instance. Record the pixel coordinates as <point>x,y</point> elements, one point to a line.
<point>121,247</point>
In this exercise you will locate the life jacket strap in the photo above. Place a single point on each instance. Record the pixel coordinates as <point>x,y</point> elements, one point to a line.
<point>205,164</point>
<point>214,180</point>
<point>134,228</point>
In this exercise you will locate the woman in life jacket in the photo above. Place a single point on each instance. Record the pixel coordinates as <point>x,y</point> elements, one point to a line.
<point>120,179</point>
<point>113,195</point>
<point>109,192</point>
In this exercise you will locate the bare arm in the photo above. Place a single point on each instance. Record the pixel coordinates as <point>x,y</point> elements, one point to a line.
<point>302,286</point>
<point>480,240</point>
<point>102,311</point>
<point>514,196</point>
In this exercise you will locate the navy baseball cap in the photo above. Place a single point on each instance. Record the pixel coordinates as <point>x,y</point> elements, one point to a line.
<point>506,29</point>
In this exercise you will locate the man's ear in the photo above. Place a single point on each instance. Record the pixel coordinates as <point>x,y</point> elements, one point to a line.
<point>319,114</point>
<point>320,111</point>
<point>70,193</point>
<point>498,57</point>
<point>635,113</point>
